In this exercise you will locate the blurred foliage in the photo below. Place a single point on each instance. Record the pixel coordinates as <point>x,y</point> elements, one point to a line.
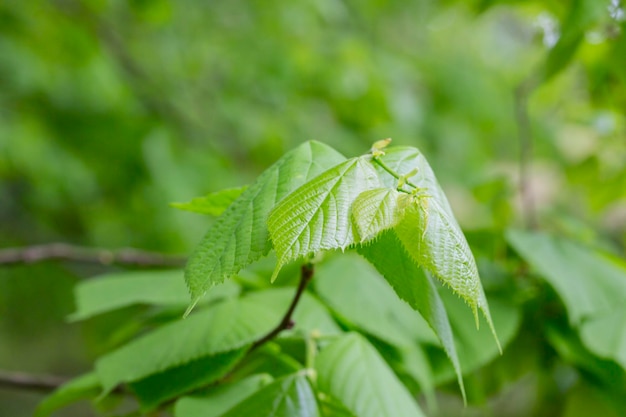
<point>110,110</point>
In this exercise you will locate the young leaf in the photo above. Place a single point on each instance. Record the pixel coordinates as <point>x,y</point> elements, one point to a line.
<point>374,211</point>
<point>121,289</point>
<point>317,216</point>
<point>352,371</point>
<point>229,325</point>
<point>80,388</point>
<point>291,396</point>
<point>415,287</point>
<point>239,236</point>
<point>218,401</point>
<point>430,233</point>
<point>212,204</point>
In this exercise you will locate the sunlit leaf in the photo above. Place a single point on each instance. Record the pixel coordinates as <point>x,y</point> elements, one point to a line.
<point>220,399</point>
<point>239,236</point>
<point>351,370</point>
<point>291,396</point>
<point>316,216</point>
<point>121,289</point>
<point>212,204</point>
<point>374,211</point>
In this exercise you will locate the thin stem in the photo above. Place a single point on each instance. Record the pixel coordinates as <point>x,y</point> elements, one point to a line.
<point>63,251</point>
<point>29,382</point>
<point>306,274</point>
<point>393,173</point>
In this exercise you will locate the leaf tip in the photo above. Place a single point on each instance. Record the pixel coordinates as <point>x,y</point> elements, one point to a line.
<point>191,307</point>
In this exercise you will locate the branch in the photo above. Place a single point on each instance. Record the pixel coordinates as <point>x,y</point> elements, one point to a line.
<point>306,274</point>
<point>522,92</point>
<point>63,251</point>
<point>29,382</point>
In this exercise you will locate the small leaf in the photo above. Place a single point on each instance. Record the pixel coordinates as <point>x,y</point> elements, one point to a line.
<point>157,388</point>
<point>221,399</point>
<point>80,388</point>
<point>415,287</point>
<point>316,216</point>
<point>291,396</point>
<point>352,371</point>
<point>121,289</point>
<point>239,236</point>
<point>226,326</point>
<point>212,204</point>
<point>374,211</point>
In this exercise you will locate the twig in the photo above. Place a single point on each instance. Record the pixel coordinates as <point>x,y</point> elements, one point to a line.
<point>29,382</point>
<point>63,251</point>
<point>306,274</point>
<point>526,151</point>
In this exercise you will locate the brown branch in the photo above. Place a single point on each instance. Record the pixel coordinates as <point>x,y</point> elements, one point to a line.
<point>522,92</point>
<point>306,274</point>
<point>63,251</point>
<point>29,382</point>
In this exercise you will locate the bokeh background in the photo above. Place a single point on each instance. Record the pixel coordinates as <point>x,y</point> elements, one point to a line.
<point>112,109</point>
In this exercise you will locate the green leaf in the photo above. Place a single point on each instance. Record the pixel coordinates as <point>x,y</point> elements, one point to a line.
<point>157,388</point>
<point>588,282</point>
<point>239,236</point>
<point>212,204</point>
<point>430,233</point>
<point>229,325</point>
<point>117,290</point>
<point>80,388</point>
<point>290,396</point>
<point>415,287</point>
<point>317,216</point>
<point>374,211</point>
<point>605,335</point>
<point>357,293</point>
<point>352,371</point>
<point>221,399</point>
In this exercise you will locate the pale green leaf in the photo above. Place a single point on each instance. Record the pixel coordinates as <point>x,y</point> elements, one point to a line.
<point>221,399</point>
<point>588,282</point>
<point>605,335</point>
<point>430,232</point>
<point>121,289</point>
<point>374,211</point>
<point>212,204</point>
<point>357,293</point>
<point>316,216</point>
<point>239,236</point>
<point>352,371</point>
<point>226,326</point>
<point>80,388</point>
<point>415,287</point>
<point>158,388</point>
<point>291,396</point>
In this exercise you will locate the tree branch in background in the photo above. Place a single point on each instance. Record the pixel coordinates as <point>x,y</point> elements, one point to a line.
<point>306,274</point>
<point>29,382</point>
<point>63,251</point>
<point>522,92</point>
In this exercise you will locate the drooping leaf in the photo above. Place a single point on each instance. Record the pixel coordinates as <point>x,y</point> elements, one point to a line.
<point>117,290</point>
<point>219,400</point>
<point>317,216</point>
<point>226,326</point>
<point>80,388</point>
<point>356,292</point>
<point>212,204</point>
<point>430,233</point>
<point>351,370</point>
<point>239,236</point>
<point>374,211</point>
<point>415,287</point>
<point>587,281</point>
<point>291,396</point>
<point>157,388</point>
